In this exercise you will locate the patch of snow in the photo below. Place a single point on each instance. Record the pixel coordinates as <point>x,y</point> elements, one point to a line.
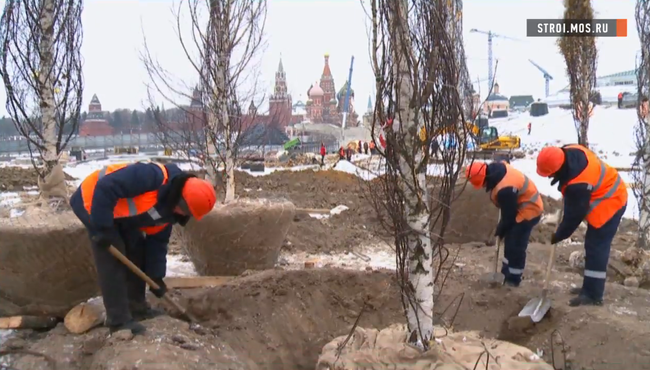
<point>8,199</point>
<point>270,170</point>
<point>179,265</point>
<point>4,335</point>
<point>339,209</point>
<point>347,167</point>
<point>375,257</point>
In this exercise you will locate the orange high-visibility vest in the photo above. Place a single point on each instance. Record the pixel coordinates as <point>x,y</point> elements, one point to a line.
<point>529,199</point>
<point>608,191</point>
<point>127,207</point>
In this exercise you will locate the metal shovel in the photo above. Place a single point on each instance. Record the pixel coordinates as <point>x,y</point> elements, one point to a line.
<point>537,308</point>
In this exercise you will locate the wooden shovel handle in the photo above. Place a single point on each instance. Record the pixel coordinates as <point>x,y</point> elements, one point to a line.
<point>551,259</point>
<point>136,270</point>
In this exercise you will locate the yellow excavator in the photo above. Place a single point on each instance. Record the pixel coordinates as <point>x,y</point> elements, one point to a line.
<point>486,136</point>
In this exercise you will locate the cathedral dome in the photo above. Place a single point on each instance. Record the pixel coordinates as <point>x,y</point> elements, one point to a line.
<point>316,91</point>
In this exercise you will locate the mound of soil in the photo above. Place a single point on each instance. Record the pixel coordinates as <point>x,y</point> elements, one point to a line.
<point>16,178</point>
<point>282,319</point>
<point>360,223</point>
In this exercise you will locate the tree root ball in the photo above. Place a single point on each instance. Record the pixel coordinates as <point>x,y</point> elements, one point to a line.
<point>387,349</point>
<point>238,236</point>
<point>46,264</point>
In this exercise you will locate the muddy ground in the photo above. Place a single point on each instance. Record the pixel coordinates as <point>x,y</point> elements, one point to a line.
<point>281,319</point>
<point>16,178</point>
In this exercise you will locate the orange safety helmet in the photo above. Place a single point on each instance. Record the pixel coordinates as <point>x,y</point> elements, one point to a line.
<point>476,173</point>
<point>199,196</point>
<point>549,160</point>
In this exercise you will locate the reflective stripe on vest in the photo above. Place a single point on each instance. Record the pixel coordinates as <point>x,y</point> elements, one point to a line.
<point>594,203</point>
<point>523,189</point>
<point>133,209</point>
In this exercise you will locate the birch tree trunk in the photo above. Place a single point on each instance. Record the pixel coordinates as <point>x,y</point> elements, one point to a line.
<point>46,86</point>
<point>420,267</point>
<point>644,215</point>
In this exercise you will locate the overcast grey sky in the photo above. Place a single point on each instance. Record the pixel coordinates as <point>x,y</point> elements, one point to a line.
<point>303,30</point>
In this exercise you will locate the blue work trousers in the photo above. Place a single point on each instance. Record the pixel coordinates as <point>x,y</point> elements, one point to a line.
<point>514,252</point>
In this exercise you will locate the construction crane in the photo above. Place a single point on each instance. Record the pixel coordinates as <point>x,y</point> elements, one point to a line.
<point>490,36</point>
<point>346,103</point>
<point>547,77</point>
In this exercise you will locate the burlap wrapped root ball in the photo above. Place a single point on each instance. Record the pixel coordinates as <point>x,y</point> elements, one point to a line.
<point>238,236</point>
<point>387,349</point>
<point>46,264</point>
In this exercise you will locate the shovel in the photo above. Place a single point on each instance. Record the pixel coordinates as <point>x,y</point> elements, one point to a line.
<point>136,270</point>
<point>537,308</point>
<point>495,278</point>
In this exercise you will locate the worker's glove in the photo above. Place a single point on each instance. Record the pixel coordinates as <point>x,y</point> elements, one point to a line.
<point>554,239</point>
<point>103,239</point>
<point>182,220</point>
<point>162,288</point>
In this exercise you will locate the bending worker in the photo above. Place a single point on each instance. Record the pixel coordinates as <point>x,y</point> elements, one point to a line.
<point>133,208</point>
<point>520,207</point>
<point>594,192</point>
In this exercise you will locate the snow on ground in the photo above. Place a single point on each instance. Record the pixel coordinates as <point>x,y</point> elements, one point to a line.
<point>179,265</point>
<point>4,335</point>
<point>377,256</point>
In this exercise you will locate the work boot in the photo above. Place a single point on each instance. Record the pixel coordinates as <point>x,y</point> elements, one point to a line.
<point>135,327</point>
<point>142,311</point>
<point>583,300</point>
<point>575,291</point>
<point>511,283</point>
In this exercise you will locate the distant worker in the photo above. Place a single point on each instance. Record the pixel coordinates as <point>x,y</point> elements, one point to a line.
<point>530,126</point>
<point>371,147</point>
<point>360,148</point>
<point>520,207</point>
<point>323,151</point>
<point>133,207</point>
<point>365,147</point>
<point>349,154</point>
<point>341,153</point>
<point>620,100</point>
<point>592,191</point>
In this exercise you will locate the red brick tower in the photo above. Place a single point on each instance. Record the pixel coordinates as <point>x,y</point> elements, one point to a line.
<point>96,123</point>
<point>280,103</point>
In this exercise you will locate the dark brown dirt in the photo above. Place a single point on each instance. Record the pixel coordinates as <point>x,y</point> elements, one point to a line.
<point>16,178</point>
<point>319,189</point>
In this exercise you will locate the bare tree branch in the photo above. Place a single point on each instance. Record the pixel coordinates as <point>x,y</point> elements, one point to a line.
<point>41,68</point>
<point>581,56</point>
<point>226,37</point>
<point>424,95</point>
<point>641,172</point>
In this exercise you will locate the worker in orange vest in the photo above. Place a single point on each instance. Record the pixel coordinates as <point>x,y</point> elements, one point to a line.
<point>594,192</point>
<point>520,207</point>
<point>133,207</point>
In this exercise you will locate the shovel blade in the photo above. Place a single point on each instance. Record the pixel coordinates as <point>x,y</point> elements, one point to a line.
<point>536,308</point>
